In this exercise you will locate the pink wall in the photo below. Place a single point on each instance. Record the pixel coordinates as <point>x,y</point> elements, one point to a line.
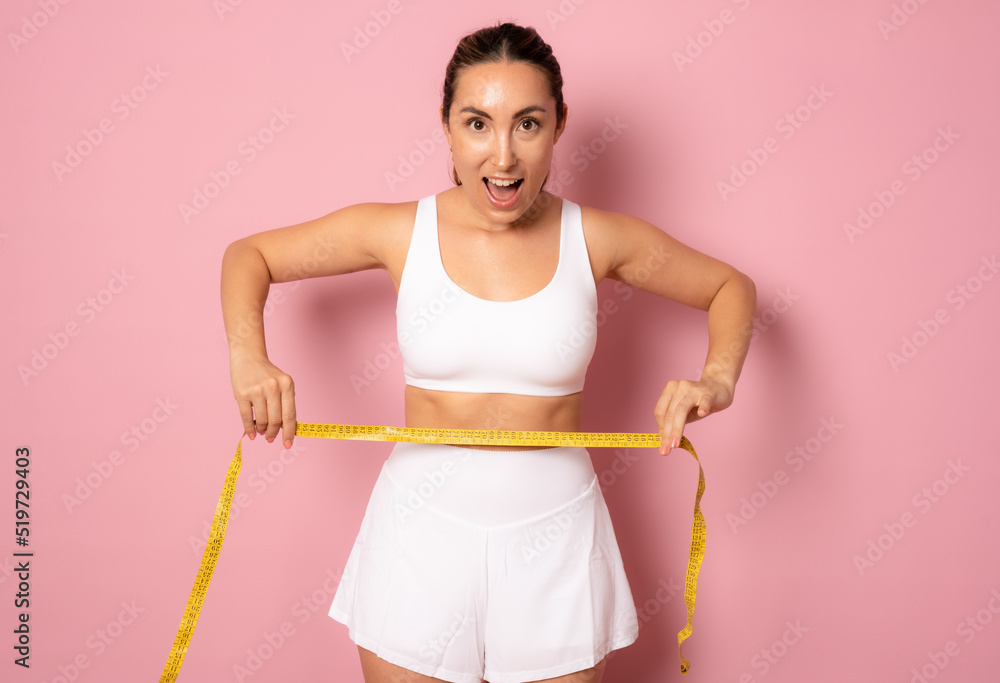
<point>868,393</point>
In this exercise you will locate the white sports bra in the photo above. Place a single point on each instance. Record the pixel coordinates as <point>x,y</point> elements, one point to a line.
<point>451,340</point>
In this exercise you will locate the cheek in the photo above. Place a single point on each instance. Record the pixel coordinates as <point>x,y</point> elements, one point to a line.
<point>538,155</point>
<point>468,151</point>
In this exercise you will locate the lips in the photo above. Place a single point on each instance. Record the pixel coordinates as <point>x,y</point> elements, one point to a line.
<point>503,192</point>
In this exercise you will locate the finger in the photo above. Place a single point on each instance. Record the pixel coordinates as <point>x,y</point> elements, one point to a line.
<point>288,416</point>
<point>704,406</point>
<point>260,415</point>
<point>273,412</point>
<point>263,407</point>
<point>660,413</point>
<point>246,415</point>
<point>676,419</point>
<point>666,398</point>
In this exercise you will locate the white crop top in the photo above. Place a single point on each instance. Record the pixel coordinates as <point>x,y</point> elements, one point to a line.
<point>451,340</point>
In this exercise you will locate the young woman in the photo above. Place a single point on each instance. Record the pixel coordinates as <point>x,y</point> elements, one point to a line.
<point>447,580</point>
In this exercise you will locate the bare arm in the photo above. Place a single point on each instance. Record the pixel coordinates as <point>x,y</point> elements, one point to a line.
<point>351,239</point>
<point>641,255</point>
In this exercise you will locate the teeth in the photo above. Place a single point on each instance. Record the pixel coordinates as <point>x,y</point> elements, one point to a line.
<point>502,183</point>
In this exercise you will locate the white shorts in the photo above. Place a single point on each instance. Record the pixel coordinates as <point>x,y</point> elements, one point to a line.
<point>497,565</point>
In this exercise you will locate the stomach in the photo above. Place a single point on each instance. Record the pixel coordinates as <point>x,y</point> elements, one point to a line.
<point>433,409</point>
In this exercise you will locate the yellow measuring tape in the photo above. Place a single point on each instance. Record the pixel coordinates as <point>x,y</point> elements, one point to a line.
<point>464,437</point>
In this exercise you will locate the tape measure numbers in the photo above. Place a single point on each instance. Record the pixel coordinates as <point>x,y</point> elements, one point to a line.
<point>463,437</point>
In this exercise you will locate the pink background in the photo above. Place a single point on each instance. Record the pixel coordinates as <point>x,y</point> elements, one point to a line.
<point>795,587</point>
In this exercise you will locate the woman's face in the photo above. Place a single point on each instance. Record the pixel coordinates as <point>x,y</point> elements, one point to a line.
<point>501,128</point>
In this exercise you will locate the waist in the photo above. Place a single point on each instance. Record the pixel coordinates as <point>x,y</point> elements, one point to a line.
<point>489,487</point>
<point>459,410</point>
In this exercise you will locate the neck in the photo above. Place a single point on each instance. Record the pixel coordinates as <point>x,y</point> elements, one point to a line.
<point>529,217</point>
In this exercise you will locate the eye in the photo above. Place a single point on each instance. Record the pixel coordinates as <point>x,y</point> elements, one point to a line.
<point>529,124</point>
<point>476,124</point>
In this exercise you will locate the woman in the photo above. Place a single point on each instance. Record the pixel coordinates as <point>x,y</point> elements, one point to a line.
<point>447,580</point>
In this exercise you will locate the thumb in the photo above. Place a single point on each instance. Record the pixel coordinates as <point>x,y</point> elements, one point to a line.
<point>704,406</point>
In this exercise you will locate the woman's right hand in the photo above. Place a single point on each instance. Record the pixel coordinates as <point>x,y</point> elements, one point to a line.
<point>354,238</point>
<point>266,398</point>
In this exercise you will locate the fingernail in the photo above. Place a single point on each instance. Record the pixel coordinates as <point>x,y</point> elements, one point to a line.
<point>675,442</point>
<point>663,450</point>
<point>252,435</point>
<point>270,439</point>
<point>288,443</point>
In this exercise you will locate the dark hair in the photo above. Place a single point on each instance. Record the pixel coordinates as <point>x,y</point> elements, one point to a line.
<point>502,43</point>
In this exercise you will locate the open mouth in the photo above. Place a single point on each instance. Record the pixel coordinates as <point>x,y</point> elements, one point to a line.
<point>503,191</point>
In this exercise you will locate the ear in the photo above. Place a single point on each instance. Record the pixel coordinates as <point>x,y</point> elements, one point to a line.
<point>562,125</point>
<point>444,125</point>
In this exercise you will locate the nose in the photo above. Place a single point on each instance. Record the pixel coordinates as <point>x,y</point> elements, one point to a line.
<point>503,151</point>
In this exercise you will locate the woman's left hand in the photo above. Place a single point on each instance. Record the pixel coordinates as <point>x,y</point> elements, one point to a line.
<point>684,401</point>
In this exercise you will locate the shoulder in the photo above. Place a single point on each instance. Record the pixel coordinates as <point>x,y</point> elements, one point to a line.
<point>611,223</point>
<point>383,216</point>
<point>386,230</point>
<point>613,237</point>
<point>641,255</point>
<point>381,225</point>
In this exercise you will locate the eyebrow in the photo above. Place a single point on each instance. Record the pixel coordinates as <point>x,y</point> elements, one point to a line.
<point>517,114</point>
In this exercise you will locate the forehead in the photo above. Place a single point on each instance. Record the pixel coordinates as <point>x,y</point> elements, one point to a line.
<point>500,85</point>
